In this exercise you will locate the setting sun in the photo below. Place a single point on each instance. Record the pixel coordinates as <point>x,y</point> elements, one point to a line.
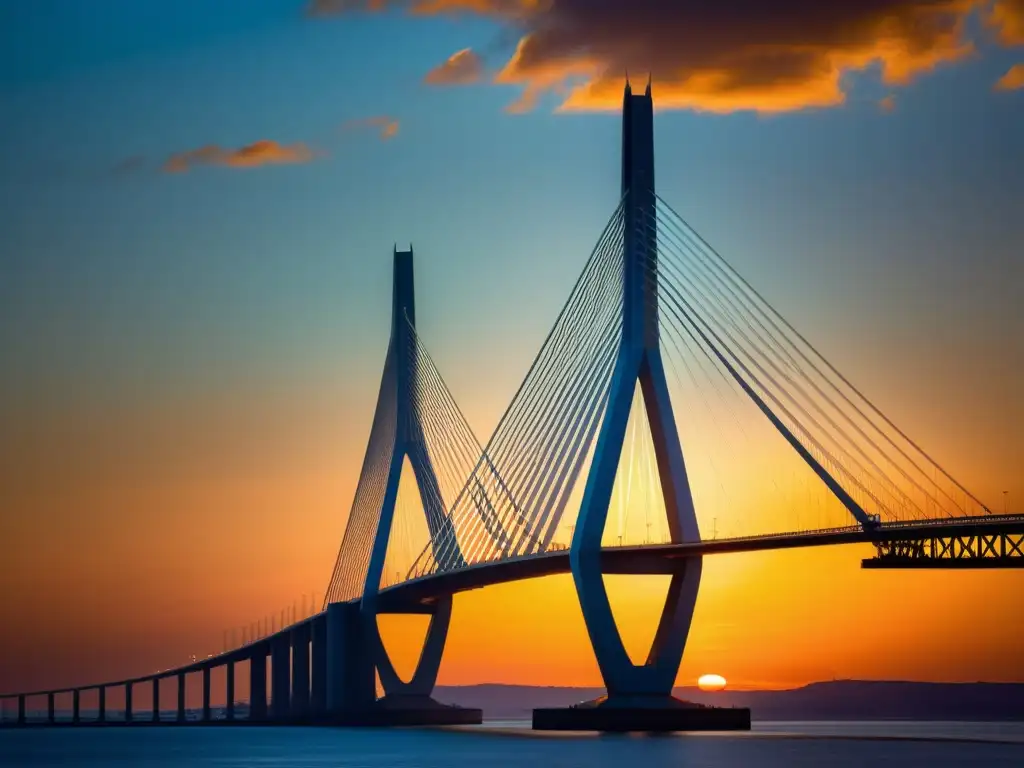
<point>711,682</point>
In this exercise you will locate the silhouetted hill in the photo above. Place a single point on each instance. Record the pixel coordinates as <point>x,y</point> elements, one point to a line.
<point>838,700</point>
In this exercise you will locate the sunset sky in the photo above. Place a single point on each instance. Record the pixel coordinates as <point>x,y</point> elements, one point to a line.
<point>198,204</point>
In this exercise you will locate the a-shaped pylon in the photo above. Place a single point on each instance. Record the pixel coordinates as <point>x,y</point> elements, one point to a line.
<point>409,441</point>
<point>639,359</point>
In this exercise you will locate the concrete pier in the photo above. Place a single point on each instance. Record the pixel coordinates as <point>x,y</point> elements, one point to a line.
<point>181,697</point>
<point>76,709</point>
<point>644,714</point>
<point>103,704</point>
<point>281,677</point>
<point>258,684</point>
<point>230,690</point>
<point>50,718</point>
<point>318,684</point>
<point>156,699</point>
<point>300,672</point>
<point>351,684</point>
<point>206,694</point>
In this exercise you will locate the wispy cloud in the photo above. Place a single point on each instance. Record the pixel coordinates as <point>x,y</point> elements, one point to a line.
<point>1013,80</point>
<point>386,127</point>
<point>259,153</point>
<point>887,104</point>
<point>461,68</point>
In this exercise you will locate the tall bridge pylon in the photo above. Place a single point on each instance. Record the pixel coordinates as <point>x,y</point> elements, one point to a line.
<point>408,428</point>
<point>638,360</point>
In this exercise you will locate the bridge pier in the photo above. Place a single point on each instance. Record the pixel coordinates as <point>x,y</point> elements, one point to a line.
<point>127,702</point>
<point>21,710</point>
<point>258,683</point>
<point>206,694</point>
<point>50,715</point>
<point>318,687</point>
<point>181,697</point>
<point>156,700</point>
<point>350,683</point>
<point>280,670</point>
<point>300,638</point>
<point>102,716</point>
<point>229,686</point>
<point>76,696</point>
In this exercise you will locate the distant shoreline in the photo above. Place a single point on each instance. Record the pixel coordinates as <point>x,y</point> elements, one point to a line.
<point>840,700</point>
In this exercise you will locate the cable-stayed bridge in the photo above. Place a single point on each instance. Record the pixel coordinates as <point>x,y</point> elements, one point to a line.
<point>671,414</point>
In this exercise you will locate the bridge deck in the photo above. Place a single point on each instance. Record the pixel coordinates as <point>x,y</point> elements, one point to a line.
<point>410,596</point>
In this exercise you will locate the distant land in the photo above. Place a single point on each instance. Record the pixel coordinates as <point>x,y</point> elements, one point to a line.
<point>836,700</point>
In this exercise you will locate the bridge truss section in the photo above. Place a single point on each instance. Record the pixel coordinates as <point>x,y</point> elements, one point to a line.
<point>995,550</point>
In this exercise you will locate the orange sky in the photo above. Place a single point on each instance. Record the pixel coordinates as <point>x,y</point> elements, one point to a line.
<point>140,538</point>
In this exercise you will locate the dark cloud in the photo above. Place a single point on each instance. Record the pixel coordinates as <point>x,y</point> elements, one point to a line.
<point>718,56</point>
<point>1007,16</point>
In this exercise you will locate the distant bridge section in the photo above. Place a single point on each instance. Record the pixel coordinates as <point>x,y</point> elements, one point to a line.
<point>967,550</point>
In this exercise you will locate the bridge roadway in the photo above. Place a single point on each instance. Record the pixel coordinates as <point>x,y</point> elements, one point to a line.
<point>416,594</point>
<point>665,558</point>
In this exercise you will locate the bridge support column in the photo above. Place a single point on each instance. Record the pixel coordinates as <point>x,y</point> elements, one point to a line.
<point>21,710</point>
<point>50,716</point>
<point>181,697</point>
<point>76,712</point>
<point>318,687</point>
<point>156,700</point>
<point>229,693</point>
<point>258,683</point>
<point>300,672</point>
<point>102,716</point>
<point>127,702</point>
<point>280,669</point>
<point>350,684</point>
<point>206,694</point>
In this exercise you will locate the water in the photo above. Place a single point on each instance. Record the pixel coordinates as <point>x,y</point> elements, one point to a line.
<point>771,745</point>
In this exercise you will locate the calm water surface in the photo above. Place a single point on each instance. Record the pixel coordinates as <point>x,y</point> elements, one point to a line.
<point>782,745</point>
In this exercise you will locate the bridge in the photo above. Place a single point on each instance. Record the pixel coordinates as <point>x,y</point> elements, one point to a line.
<point>588,473</point>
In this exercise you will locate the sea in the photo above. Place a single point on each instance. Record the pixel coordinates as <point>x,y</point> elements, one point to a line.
<point>513,744</point>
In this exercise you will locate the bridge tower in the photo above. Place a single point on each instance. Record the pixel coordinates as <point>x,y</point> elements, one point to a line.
<point>355,647</point>
<point>639,696</point>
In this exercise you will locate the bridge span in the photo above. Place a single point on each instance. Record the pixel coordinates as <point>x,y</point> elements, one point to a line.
<point>496,513</point>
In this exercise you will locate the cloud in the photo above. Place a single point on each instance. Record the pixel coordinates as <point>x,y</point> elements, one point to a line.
<point>386,127</point>
<point>264,152</point>
<point>1007,16</point>
<point>1013,80</point>
<point>887,104</point>
<point>460,68</point>
<point>724,56</point>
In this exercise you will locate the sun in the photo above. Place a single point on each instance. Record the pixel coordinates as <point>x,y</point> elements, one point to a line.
<point>711,682</point>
